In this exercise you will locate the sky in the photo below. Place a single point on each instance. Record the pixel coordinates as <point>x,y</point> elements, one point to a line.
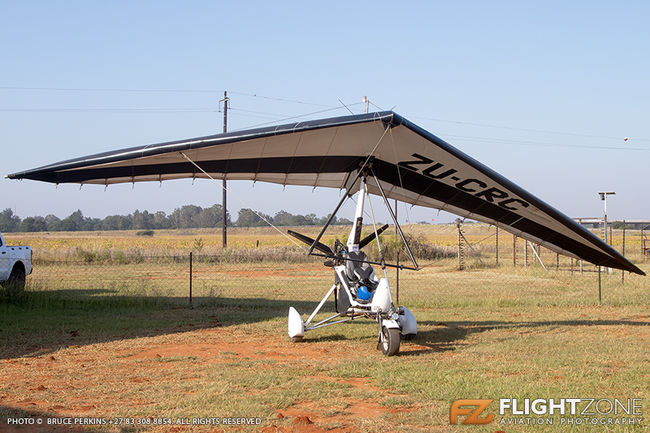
<point>545,93</point>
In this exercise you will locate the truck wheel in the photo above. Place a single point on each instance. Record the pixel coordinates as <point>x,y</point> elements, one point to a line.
<point>390,339</point>
<point>16,282</point>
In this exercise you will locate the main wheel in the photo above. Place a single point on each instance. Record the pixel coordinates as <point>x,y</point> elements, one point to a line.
<point>390,339</point>
<point>16,282</point>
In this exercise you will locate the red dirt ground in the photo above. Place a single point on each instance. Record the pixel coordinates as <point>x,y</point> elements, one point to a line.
<point>63,383</point>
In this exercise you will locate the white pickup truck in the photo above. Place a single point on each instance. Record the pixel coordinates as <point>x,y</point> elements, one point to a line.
<point>15,265</point>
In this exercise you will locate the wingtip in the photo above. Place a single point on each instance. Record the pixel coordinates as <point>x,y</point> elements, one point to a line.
<point>637,270</point>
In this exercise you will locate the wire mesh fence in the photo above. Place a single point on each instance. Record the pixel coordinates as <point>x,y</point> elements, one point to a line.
<point>201,278</point>
<point>456,266</point>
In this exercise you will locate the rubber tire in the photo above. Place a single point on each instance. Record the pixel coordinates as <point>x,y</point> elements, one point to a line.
<point>16,282</point>
<point>390,339</point>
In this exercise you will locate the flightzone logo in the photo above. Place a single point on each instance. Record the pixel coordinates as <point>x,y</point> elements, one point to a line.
<point>464,408</point>
<point>542,411</point>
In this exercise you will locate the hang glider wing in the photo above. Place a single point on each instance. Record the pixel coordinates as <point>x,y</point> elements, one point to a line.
<point>412,165</point>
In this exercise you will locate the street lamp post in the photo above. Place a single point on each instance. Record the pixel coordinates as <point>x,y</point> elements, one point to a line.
<point>603,197</point>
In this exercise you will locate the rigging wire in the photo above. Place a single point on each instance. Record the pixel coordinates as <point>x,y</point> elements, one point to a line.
<point>374,226</point>
<point>294,117</point>
<point>242,202</point>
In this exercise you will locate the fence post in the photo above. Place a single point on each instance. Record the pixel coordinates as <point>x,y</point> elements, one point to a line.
<point>497,236</point>
<point>514,251</point>
<point>190,278</point>
<point>525,253</point>
<point>460,246</point>
<point>622,271</point>
<point>642,244</point>
<point>599,284</point>
<point>397,278</point>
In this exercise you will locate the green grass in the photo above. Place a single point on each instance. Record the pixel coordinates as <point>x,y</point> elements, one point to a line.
<point>487,333</point>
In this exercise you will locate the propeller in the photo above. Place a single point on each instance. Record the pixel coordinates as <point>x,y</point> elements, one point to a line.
<point>309,241</point>
<point>365,241</point>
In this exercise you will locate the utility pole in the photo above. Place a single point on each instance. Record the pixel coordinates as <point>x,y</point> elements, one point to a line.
<point>224,224</point>
<point>366,101</point>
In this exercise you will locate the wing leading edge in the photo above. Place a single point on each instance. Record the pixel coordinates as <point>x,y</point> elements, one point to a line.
<point>411,164</point>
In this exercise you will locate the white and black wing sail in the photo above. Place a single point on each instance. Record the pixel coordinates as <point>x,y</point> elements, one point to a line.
<point>413,166</point>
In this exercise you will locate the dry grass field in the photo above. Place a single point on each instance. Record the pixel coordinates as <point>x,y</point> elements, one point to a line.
<point>100,336</point>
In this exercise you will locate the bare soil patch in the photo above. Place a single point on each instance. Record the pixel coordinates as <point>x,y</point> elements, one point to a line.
<point>98,380</point>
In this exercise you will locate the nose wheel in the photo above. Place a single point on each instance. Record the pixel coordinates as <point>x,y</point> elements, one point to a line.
<point>389,339</point>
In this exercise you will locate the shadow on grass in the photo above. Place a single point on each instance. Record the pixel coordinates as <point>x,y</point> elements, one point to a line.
<point>22,422</point>
<point>441,337</point>
<point>40,322</point>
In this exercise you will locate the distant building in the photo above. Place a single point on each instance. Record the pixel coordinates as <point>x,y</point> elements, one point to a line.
<point>638,224</point>
<point>594,223</point>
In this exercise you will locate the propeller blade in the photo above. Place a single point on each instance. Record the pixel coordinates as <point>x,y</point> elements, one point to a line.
<point>365,241</point>
<point>309,241</point>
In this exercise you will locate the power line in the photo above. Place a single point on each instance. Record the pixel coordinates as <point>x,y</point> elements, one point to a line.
<point>271,98</point>
<point>294,101</point>
<point>131,90</point>
<point>541,144</point>
<point>274,119</point>
<point>108,110</point>
<point>118,90</point>
<point>513,128</point>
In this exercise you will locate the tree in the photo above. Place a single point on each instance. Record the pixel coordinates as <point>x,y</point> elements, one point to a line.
<point>53,223</point>
<point>33,224</point>
<point>73,222</point>
<point>248,218</point>
<point>188,216</point>
<point>117,222</point>
<point>182,218</point>
<point>142,220</point>
<point>210,217</point>
<point>160,220</point>
<point>283,218</point>
<point>8,221</point>
<point>343,222</point>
